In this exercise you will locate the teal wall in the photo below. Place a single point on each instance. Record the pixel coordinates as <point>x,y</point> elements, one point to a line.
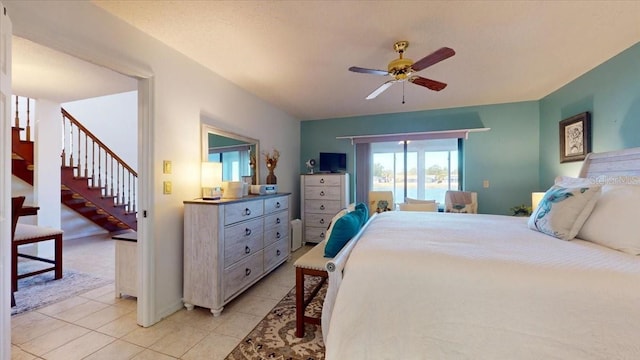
<point>506,155</point>
<point>520,153</point>
<point>611,93</point>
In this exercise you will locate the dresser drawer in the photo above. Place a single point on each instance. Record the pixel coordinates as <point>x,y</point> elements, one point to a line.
<point>322,206</point>
<point>245,210</point>
<point>275,233</point>
<point>242,240</point>
<point>242,274</point>
<point>276,220</point>
<point>318,220</point>
<point>322,192</point>
<point>314,234</point>
<point>272,205</point>
<point>323,180</point>
<point>276,253</point>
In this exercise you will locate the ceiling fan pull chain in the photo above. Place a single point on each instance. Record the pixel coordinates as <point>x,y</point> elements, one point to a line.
<point>403,93</point>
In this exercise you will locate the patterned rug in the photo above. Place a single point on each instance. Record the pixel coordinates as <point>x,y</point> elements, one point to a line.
<point>274,337</point>
<point>42,290</point>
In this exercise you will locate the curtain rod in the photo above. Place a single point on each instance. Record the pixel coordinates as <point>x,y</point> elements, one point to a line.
<point>427,135</point>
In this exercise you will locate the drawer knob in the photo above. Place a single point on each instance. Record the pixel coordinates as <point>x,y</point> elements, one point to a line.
<point>278,252</point>
<point>322,193</point>
<point>247,211</point>
<point>247,272</point>
<point>247,232</point>
<point>247,249</point>
<point>321,181</point>
<point>321,221</point>
<point>278,235</point>
<point>322,207</point>
<point>278,221</point>
<point>322,235</point>
<point>278,205</point>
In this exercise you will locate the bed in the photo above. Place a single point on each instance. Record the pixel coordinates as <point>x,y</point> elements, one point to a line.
<point>464,286</point>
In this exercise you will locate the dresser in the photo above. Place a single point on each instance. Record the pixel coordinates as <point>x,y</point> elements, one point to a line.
<point>230,244</point>
<point>323,196</point>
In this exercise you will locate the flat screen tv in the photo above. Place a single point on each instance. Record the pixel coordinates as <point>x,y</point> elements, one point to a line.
<point>333,162</point>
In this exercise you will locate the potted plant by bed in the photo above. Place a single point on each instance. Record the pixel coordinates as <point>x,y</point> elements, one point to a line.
<point>521,210</point>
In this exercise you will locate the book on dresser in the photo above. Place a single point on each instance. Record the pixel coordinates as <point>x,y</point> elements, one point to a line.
<point>322,197</point>
<point>230,244</point>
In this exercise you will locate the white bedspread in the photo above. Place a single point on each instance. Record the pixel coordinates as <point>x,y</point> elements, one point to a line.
<point>463,286</point>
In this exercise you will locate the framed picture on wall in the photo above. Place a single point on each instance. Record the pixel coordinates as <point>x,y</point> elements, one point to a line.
<point>575,137</point>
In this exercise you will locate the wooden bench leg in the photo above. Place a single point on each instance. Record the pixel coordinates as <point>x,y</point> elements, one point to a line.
<point>299,302</point>
<point>14,268</point>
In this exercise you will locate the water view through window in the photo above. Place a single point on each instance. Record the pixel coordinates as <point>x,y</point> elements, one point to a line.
<point>430,168</point>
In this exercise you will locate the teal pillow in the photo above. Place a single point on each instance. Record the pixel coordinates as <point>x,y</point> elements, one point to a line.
<point>363,211</point>
<point>343,230</point>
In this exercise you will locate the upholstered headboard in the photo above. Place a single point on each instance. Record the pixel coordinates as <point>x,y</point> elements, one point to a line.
<point>623,165</point>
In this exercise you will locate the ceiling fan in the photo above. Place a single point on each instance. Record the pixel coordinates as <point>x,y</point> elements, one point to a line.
<point>402,69</point>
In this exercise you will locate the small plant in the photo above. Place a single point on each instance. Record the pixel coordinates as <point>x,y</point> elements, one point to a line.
<point>521,210</point>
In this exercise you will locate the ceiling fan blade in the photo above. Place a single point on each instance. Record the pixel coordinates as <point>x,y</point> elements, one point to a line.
<point>433,58</point>
<point>428,83</point>
<point>379,90</point>
<point>368,71</point>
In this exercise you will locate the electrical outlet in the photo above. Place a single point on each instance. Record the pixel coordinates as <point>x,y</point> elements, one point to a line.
<point>166,188</point>
<point>166,167</point>
<point>485,184</point>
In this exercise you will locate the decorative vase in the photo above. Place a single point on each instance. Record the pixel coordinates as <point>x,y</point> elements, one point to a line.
<point>271,178</point>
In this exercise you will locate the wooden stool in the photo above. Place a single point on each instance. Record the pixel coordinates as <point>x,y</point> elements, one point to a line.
<point>29,234</point>
<point>312,263</point>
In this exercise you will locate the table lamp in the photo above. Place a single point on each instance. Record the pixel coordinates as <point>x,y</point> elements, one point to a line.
<point>536,197</point>
<point>211,180</point>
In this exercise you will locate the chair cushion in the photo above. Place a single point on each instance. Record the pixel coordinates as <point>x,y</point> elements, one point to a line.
<point>28,232</point>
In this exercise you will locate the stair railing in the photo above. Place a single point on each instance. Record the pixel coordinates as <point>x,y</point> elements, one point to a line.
<point>19,123</point>
<point>93,160</point>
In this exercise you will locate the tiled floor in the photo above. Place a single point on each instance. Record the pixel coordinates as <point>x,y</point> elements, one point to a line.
<point>97,325</point>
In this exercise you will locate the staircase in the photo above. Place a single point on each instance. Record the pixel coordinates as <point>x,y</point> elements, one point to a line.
<point>95,182</point>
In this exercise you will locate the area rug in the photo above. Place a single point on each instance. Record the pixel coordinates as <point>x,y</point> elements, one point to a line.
<point>274,337</point>
<point>41,290</point>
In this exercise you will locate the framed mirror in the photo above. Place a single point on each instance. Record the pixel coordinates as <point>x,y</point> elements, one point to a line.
<point>238,154</point>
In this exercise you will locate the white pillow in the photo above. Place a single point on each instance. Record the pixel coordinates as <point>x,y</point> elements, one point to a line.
<point>563,210</point>
<point>614,221</point>
<point>431,206</point>
<point>418,201</point>
<point>568,181</point>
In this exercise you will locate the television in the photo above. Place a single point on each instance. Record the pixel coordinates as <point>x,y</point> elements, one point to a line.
<point>333,162</point>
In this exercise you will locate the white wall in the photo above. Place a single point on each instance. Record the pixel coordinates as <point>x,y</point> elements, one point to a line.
<point>183,90</point>
<point>114,119</point>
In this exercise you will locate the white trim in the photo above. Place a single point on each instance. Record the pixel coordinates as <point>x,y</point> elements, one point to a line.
<point>146,315</point>
<point>5,184</point>
<point>427,135</point>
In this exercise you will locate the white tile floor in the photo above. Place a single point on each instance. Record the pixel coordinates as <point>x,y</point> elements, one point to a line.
<point>97,325</point>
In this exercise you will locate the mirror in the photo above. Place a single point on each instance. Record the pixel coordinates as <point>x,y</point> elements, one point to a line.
<point>237,153</point>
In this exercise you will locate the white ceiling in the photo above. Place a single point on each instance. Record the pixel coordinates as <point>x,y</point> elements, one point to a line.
<point>295,54</point>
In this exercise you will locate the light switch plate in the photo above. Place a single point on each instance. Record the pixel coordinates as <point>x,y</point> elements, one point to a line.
<point>166,188</point>
<point>166,167</point>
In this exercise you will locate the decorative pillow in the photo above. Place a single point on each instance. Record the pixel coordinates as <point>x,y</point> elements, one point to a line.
<point>419,207</point>
<point>335,218</point>
<point>343,230</point>
<point>563,210</point>
<point>568,181</point>
<point>418,201</point>
<point>363,211</point>
<point>614,221</point>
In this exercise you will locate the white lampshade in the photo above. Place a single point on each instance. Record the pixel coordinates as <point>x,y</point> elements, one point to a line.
<point>536,197</point>
<point>211,179</point>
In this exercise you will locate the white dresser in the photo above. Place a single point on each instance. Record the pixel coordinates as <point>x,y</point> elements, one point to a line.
<point>230,244</point>
<point>323,196</point>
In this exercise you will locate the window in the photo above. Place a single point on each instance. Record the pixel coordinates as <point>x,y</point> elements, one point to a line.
<point>421,169</point>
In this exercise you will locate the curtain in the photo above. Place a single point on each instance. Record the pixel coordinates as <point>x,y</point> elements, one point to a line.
<point>363,171</point>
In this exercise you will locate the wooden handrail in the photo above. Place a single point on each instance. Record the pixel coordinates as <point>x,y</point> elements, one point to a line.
<point>97,162</point>
<point>97,141</point>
